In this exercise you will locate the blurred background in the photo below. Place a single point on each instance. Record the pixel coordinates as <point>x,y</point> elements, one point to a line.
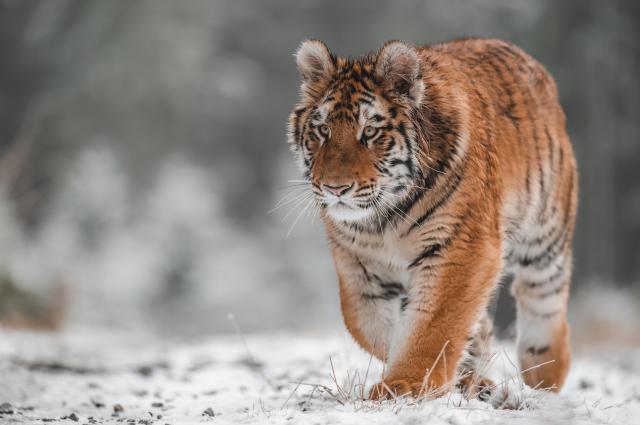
<point>142,147</point>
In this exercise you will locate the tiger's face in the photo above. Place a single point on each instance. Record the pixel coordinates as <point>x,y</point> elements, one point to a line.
<point>353,131</point>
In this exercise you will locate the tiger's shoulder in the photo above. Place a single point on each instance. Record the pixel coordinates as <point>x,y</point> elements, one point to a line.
<point>487,62</point>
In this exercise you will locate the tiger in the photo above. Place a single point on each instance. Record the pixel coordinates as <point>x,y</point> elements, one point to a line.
<point>437,170</point>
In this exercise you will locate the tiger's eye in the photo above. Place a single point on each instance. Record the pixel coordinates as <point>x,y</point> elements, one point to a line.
<point>369,131</point>
<point>325,130</point>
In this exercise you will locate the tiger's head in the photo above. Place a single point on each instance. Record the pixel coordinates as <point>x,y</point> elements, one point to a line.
<point>355,131</point>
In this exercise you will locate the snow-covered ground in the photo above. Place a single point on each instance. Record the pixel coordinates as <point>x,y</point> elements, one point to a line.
<point>92,376</point>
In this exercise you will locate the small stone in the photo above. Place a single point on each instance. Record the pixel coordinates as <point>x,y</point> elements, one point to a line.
<point>72,417</point>
<point>585,384</point>
<point>157,404</point>
<point>97,404</point>
<point>6,409</point>
<point>118,408</point>
<point>208,412</point>
<point>144,370</point>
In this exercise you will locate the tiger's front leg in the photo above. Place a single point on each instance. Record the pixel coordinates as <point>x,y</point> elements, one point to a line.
<point>371,305</point>
<point>449,292</point>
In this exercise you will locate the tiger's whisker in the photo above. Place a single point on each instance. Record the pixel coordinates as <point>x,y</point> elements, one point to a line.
<point>283,202</point>
<point>297,204</point>
<point>306,207</point>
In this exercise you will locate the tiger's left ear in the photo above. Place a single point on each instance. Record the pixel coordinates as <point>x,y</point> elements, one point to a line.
<point>315,61</point>
<point>316,64</point>
<point>398,66</point>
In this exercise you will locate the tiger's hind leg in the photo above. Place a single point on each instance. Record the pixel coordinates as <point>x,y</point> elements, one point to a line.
<point>541,289</point>
<point>472,379</point>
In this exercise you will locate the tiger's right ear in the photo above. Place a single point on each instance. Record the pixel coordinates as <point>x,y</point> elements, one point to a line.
<point>398,66</point>
<point>315,62</point>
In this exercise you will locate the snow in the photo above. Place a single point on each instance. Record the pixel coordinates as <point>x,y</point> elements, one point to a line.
<point>275,379</point>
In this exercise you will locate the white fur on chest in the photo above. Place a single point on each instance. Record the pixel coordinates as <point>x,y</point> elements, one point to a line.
<point>385,252</point>
<point>385,259</point>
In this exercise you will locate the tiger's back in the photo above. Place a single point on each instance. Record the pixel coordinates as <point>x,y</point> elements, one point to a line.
<point>516,101</point>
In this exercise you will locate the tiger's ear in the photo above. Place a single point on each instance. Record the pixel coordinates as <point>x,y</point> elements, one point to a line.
<point>398,66</point>
<point>315,61</point>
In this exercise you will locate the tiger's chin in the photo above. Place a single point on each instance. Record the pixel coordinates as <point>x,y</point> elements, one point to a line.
<point>341,212</point>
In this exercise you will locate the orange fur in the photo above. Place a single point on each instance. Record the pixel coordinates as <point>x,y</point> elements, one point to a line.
<point>477,128</point>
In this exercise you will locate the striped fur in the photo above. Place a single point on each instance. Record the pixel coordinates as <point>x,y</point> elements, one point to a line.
<point>437,169</point>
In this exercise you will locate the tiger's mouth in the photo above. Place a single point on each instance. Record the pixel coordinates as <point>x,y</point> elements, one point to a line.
<point>350,208</point>
<point>350,212</point>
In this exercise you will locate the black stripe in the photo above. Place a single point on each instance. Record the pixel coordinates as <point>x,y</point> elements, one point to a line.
<point>366,94</point>
<point>553,292</point>
<point>552,151</point>
<point>537,351</point>
<point>432,251</point>
<point>394,162</point>
<point>427,182</point>
<point>403,132</point>
<point>540,315</point>
<point>545,282</point>
<point>404,303</point>
<point>390,144</point>
<point>559,242</point>
<point>296,124</point>
<point>541,180</point>
<point>545,257</point>
<point>451,189</point>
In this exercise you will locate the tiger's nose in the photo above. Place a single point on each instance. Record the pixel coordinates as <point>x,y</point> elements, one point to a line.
<point>337,190</point>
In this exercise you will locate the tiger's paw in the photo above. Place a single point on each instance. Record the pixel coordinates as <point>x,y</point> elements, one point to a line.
<point>394,388</point>
<point>476,387</point>
<point>403,387</point>
<point>513,396</point>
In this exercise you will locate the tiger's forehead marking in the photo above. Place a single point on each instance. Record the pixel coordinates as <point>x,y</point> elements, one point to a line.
<point>351,96</point>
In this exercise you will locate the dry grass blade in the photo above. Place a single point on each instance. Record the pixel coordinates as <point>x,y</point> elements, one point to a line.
<point>290,395</point>
<point>335,380</point>
<point>366,374</point>
<point>325,389</point>
<point>255,364</point>
<point>425,381</point>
